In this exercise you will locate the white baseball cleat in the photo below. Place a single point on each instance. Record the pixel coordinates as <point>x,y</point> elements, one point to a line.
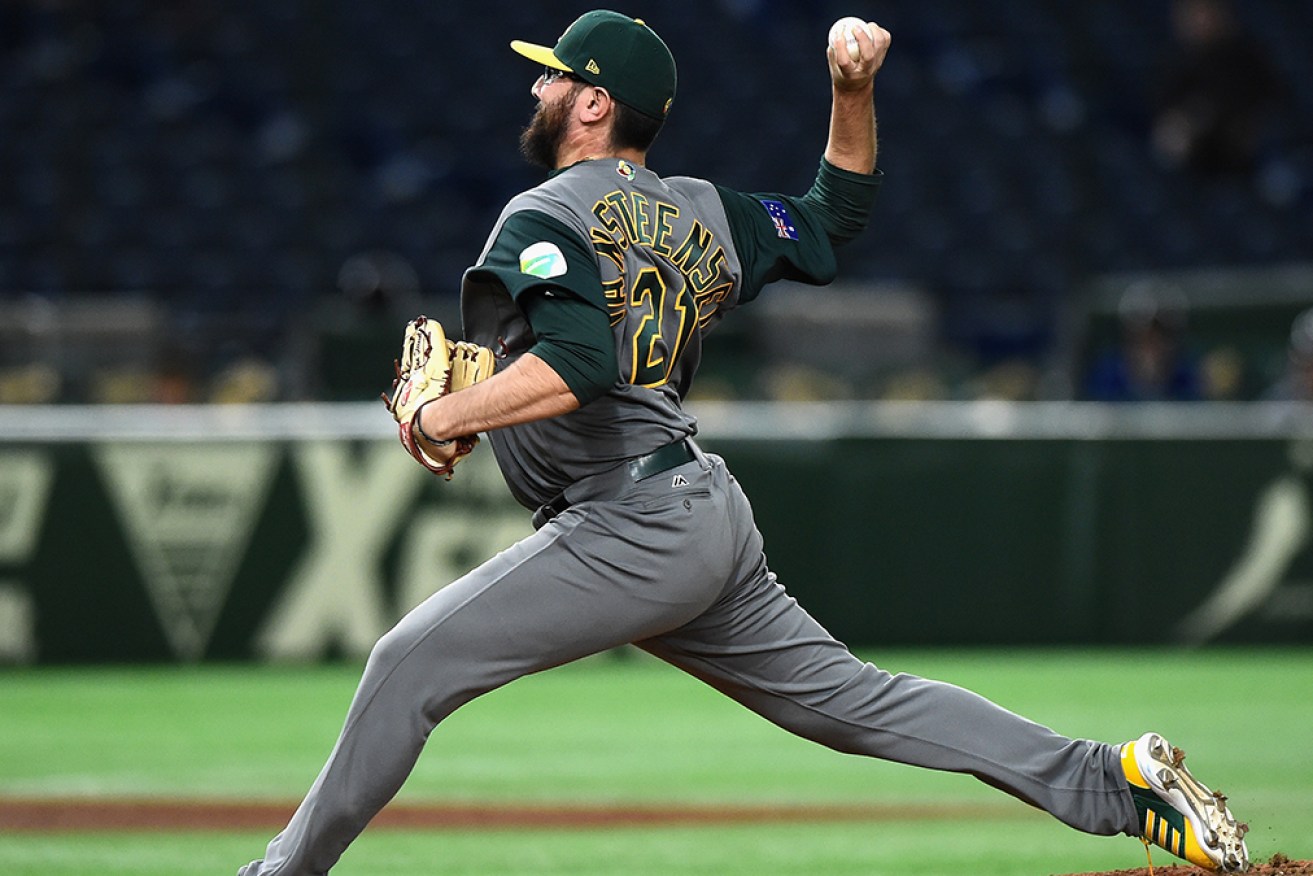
<point>1178,812</point>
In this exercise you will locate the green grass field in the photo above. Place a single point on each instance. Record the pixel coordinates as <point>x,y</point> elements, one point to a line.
<point>619,730</point>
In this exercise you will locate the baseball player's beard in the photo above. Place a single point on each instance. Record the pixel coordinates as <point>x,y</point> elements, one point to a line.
<point>540,142</point>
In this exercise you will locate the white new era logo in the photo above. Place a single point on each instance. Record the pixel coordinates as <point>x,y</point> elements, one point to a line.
<point>679,481</point>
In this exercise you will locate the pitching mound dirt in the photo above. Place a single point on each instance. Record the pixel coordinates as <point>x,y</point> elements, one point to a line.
<point>41,815</point>
<point>1277,865</point>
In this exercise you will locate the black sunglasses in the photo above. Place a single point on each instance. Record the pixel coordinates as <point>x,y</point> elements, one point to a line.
<point>551,74</point>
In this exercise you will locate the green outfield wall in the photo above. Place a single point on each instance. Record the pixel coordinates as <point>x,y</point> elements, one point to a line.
<point>303,532</point>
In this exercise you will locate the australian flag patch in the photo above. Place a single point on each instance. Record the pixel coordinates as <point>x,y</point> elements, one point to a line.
<point>779,214</point>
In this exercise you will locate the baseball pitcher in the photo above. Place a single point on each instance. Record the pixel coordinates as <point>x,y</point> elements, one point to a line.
<point>584,320</point>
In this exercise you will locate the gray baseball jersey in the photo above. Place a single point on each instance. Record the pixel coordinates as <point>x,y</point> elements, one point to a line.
<point>660,257</point>
<point>649,540</point>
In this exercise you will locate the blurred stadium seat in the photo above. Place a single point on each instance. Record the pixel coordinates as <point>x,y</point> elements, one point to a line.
<point>231,156</point>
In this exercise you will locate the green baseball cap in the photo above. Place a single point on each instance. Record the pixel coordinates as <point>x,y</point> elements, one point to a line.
<point>616,52</point>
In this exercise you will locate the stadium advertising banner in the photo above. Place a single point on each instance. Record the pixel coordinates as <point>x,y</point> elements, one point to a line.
<point>304,533</point>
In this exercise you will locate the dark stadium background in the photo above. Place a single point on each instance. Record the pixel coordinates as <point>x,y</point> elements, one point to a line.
<point>245,200</point>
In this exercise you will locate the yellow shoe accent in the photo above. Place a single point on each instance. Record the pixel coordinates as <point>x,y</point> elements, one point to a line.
<point>1131,768</point>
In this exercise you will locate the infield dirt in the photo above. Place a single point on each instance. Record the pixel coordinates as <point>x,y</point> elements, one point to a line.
<point>1277,865</point>
<point>43,815</point>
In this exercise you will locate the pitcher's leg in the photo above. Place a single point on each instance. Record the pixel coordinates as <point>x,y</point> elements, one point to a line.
<point>444,653</point>
<point>416,675</point>
<point>781,664</point>
<point>757,645</point>
<point>571,589</point>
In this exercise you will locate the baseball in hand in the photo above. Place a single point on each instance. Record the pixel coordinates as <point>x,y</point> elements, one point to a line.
<point>847,26</point>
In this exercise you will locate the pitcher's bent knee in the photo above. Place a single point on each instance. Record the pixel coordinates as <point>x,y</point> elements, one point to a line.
<point>391,648</point>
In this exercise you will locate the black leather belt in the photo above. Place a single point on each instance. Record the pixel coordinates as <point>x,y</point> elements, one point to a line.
<point>639,468</point>
<point>661,459</point>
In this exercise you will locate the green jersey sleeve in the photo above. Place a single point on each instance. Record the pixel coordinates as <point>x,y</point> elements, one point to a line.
<point>535,251</point>
<point>777,237</point>
<point>842,200</point>
<point>553,277</point>
<point>781,237</point>
<point>575,339</point>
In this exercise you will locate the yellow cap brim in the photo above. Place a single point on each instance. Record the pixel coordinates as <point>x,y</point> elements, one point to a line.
<point>539,54</point>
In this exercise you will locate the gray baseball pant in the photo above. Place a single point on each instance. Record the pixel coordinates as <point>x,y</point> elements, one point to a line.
<point>679,571</point>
